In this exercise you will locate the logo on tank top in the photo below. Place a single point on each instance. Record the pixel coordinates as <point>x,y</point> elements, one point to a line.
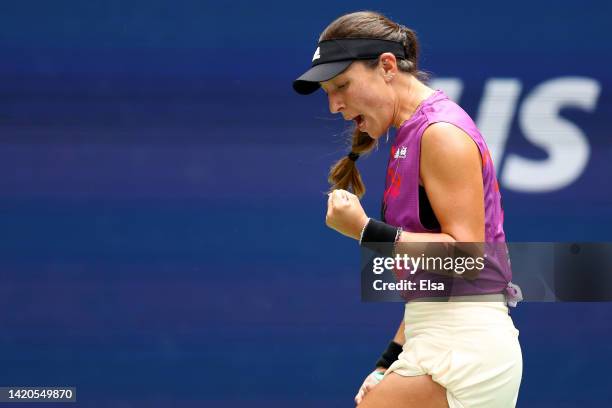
<point>400,153</point>
<point>394,178</point>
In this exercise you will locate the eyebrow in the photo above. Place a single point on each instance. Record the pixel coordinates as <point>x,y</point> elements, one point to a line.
<point>335,85</point>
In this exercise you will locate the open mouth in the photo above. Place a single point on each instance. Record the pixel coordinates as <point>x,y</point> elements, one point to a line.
<point>359,120</point>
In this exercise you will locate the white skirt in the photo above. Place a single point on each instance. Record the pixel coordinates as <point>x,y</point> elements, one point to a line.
<point>470,348</point>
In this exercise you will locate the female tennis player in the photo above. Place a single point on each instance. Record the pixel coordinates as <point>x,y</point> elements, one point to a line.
<point>440,187</point>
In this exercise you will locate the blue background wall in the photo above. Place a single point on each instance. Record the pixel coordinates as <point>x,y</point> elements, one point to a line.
<point>162,236</point>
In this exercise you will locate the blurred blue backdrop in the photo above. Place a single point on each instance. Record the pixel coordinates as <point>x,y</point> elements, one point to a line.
<point>162,236</point>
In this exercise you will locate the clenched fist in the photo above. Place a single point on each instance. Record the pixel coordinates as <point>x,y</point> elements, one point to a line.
<point>345,214</point>
<point>370,382</point>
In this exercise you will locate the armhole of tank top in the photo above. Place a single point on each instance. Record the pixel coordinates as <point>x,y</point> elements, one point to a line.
<point>419,177</point>
<point>419,187</point>
<point>426,213</point>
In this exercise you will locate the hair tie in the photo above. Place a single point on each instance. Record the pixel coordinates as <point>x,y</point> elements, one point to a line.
<point>353,156</point>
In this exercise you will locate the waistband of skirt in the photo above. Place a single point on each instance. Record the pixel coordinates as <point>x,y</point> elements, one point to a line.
<point>493,297</point>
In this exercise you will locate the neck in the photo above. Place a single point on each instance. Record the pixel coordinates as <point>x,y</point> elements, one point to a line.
<point>410,92</point>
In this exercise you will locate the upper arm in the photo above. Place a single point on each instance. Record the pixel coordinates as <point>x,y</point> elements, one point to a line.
<point>451,171</point>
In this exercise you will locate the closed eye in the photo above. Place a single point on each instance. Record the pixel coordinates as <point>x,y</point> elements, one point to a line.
<point>344,85</point>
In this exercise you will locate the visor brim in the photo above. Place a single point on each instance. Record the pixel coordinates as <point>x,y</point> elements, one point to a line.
<point>309,81</point>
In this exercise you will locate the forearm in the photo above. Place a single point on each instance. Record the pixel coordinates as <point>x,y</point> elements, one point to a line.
<point>383,232</point>
<point>393,350</point>
<point>416,244</point>
<point>425,237</point>
<point>391,241</point>
<point>376,234</point>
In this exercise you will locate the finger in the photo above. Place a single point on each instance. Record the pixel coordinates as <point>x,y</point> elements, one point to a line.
<point>345,194</point>
<point>337,198</point>
<point>359,397</point>
<point>332,196</point>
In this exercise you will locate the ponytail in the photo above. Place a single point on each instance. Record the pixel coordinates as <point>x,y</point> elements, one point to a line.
<point>344,173</point>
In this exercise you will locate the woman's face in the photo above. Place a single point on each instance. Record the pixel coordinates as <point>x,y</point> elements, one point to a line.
<point>362,95</point>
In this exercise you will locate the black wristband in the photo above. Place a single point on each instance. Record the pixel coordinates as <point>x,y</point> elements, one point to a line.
<point>390,355</point>
<point>378,231</point>
<point>377,236</point>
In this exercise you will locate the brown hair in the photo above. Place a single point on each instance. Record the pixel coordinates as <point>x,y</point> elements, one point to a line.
<point>368,24</point>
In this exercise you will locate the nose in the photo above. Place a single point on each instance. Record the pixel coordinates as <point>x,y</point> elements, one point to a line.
<point>336,104</point>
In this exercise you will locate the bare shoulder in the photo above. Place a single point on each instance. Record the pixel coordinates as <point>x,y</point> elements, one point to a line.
<point>447,140</point>
<point>449,152</point>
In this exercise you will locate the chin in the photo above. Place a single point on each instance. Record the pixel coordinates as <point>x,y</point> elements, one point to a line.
<point>375,134</point>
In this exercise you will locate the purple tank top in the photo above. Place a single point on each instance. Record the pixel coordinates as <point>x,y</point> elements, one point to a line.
<point>401,197</point>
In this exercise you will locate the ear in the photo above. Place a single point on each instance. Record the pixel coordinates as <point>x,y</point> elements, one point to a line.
<point>388,64</point>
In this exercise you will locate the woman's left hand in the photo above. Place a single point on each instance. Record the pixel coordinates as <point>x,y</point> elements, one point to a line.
<point>345,213</point>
